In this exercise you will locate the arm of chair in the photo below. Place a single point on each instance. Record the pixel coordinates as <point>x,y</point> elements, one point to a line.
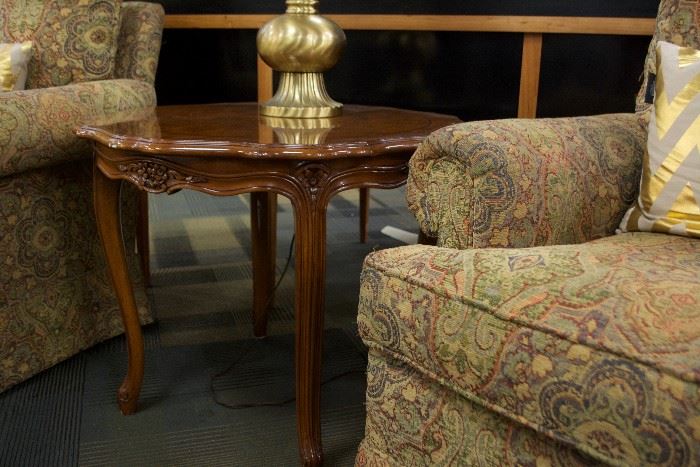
<point>37,126</point>
<point>139,41</point>
<point>520,183</point>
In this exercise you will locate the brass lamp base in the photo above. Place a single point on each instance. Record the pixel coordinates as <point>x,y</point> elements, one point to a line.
<point>301,95</point>
<point>303,131</point>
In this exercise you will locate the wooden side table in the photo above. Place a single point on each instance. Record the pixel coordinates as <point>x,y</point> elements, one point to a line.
<point>228,149</point>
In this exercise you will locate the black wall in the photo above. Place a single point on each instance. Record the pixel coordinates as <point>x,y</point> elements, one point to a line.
<point>472,75</point>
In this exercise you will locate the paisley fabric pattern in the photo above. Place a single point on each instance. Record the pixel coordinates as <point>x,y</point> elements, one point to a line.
<point>593,346</point>
<point>139,41</point>
<point>74,40</point>
<point>36,126</point>
<point>678,22</point>
<point>566,353</point>
<point>526,182</point>
<point>55,296</point>
<point>412,420</point>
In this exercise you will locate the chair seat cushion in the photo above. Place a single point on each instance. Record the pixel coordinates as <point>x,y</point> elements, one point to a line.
<point>74,40</point>
<point>595,345</point>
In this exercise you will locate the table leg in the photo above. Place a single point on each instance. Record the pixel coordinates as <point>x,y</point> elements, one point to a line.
<point>310,273</point>
<point>106,197</point>
<point>263,223</point>
<point>143,239</point>
<point>364,213</point>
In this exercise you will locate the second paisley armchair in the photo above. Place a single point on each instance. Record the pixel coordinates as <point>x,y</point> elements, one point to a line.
<point>55,296</point>
<point>532,335</point>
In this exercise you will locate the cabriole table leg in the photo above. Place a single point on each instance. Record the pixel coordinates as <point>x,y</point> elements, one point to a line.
<point>106,197</point>
<point>263,223</point>
<point>310,220</point>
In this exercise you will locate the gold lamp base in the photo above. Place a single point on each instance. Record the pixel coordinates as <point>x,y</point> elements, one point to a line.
<point>299,130</point>
<point>301,95</point>
<point>301,45</point>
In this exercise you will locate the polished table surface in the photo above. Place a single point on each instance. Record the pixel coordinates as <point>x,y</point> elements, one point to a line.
<point>228,149</point>
<point>238,129</point>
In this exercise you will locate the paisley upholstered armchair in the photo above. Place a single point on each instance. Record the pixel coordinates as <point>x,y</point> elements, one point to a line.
<point>91,61</point>
<point>533,335</point>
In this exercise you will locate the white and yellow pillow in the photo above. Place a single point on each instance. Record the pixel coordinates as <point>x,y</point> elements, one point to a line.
<point>13,65</point>
<point>669,197</point>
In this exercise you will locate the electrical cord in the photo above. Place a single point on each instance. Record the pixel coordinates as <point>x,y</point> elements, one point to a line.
<point>284,272</point>
<point>269,404</point>
<point>250,345</point>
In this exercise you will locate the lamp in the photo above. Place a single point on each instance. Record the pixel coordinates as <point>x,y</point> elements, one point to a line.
<point>295,131</point>
<point>301,44</point>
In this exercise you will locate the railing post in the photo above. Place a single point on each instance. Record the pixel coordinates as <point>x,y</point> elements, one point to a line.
<point>264,81</point>
<point>530,75</point>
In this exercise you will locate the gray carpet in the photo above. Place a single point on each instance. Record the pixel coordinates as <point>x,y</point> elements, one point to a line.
<point>202,298</point>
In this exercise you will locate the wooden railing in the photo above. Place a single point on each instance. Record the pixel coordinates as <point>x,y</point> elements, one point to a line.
<point>532,28</point>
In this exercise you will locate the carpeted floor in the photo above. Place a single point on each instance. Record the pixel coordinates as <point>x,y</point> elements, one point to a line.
<point>201,357</point>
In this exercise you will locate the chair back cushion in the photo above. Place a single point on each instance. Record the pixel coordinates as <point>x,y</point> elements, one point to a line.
<point>677,22</point>
<point>74,40</point>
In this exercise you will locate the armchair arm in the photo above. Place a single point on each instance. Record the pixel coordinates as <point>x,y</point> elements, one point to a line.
<point>520,183</point>
<point>139,41</point>
<point>37,126</point>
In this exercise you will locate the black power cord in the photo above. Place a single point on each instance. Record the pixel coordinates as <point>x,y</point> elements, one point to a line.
<point>250,345</point>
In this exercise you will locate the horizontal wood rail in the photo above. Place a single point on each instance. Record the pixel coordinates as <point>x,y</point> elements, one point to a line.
<point>464,23</point>
<point>532,28</point>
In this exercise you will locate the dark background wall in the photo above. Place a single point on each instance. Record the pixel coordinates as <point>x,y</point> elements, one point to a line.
<point>472,75</point>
